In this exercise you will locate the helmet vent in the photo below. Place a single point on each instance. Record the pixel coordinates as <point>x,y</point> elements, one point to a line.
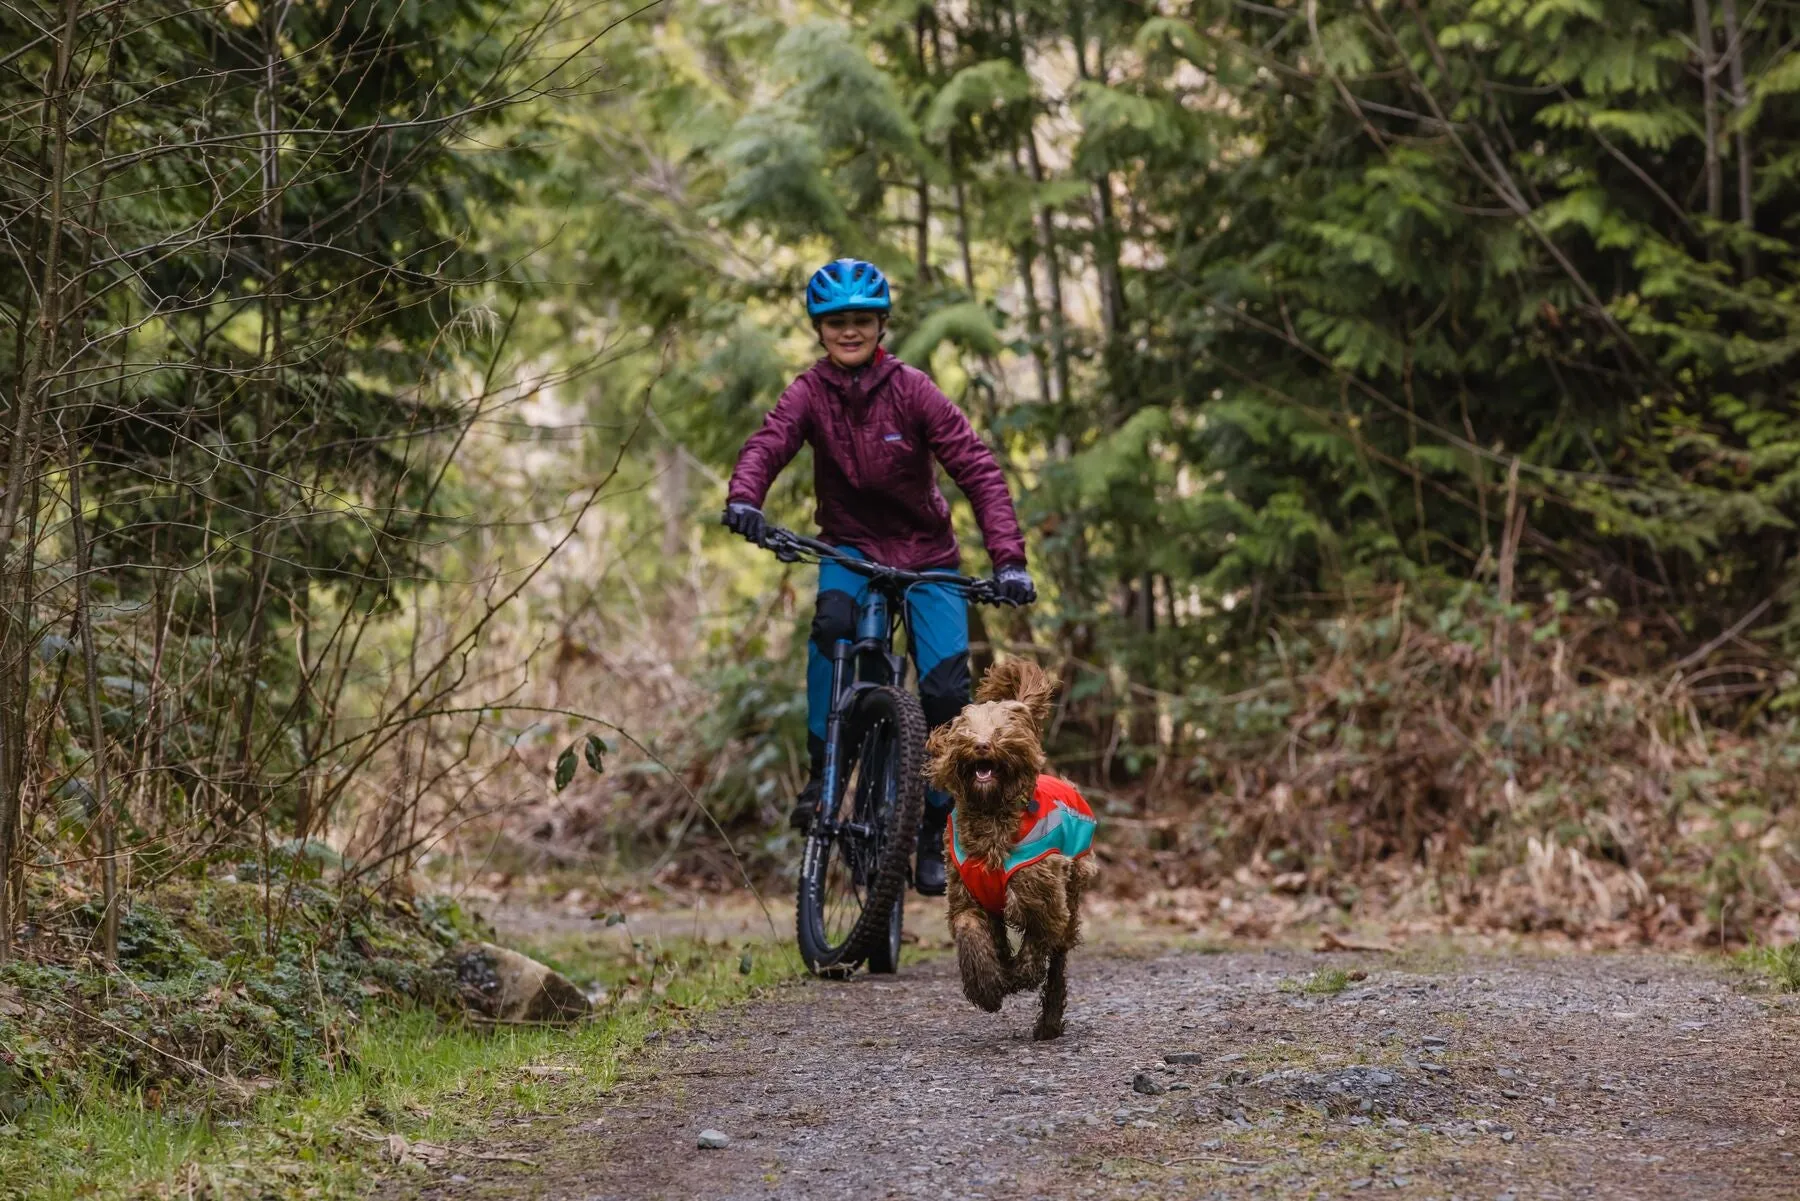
<point>847,285</point>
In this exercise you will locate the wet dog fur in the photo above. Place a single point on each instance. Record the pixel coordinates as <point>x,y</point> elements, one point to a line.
<point>988,760</point>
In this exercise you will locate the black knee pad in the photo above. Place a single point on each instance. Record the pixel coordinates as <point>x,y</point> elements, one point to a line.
<point>833,620</point>
<point>945,690</point>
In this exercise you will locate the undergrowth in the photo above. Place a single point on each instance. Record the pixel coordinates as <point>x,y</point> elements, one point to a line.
<point>1525,767</point>
<point>326,1126</point>
<point>1532,765</point>
<point>220,989</point>
<point>1779,965</point>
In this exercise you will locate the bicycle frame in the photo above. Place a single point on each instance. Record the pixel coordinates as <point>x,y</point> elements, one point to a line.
<point>874,640</point>
<point>873,644</point>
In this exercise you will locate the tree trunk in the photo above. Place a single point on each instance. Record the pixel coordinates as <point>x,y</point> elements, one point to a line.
<point>1025,252</point>
<point>1715,184</point>
<point>956,166</point>
<point>962,223</point>
<point>1740,100</point>
<point>261,560</point>
<point>1059,333</point>
<point>1106,236</point>
<point>922,249</point>
<point>90,670</point>
<point>1059,342</point>
<point>922,234</point>
<point>22,475</point>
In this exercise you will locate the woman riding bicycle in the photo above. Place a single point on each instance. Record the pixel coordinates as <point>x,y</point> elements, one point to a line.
<point>875,424</point>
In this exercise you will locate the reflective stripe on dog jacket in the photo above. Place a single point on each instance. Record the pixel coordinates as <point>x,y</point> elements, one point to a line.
<point>1058,822</point>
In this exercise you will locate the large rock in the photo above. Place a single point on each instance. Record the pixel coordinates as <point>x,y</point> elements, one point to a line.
<point>509,987</point>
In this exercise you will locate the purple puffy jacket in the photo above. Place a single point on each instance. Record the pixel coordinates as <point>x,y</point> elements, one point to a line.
<point>873,438</point>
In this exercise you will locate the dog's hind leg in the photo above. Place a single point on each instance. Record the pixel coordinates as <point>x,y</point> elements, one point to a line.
<point>1055,998</point>
<point>1036,903</point>
<point>1081,876</point>
<point>1029,966</point>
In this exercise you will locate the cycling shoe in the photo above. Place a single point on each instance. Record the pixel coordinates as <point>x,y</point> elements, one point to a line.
<point>928,865</point>
<point>807,804</point>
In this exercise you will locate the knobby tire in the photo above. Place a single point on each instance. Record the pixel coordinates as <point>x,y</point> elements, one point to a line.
<point>906,766</point>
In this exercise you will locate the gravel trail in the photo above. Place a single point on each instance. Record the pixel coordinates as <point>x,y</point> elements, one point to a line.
<point>1437,1074</point>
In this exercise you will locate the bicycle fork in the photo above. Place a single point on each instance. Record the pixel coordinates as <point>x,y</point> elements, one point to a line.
<point>872,635</point>
<point>834,728</point>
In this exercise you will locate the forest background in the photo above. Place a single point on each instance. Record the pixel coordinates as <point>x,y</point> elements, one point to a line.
<point>1399,396</point>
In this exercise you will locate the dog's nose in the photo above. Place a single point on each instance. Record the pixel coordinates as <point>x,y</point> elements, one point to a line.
<point>983,745</point>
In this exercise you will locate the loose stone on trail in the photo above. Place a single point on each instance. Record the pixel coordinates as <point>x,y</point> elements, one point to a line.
<point>1147,1084</point>
<point>714,1140</point>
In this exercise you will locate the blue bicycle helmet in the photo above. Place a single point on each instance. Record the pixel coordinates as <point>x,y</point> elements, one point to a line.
<point>847,285</point>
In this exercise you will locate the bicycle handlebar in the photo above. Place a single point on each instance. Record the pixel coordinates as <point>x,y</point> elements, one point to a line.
<point>790,547</point>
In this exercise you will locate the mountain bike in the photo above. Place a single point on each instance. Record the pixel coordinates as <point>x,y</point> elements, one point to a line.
<point>853,875</point>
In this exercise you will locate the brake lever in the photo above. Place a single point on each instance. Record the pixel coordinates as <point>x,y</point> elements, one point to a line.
<point>779,546</point>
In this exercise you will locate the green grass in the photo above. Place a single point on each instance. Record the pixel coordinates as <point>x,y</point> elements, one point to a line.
<point>1325,982</point>
<point>1780,966</point>
<point>411,1074</point>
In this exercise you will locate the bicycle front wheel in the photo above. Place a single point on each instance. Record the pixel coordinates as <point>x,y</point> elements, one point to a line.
<point>853,876</point>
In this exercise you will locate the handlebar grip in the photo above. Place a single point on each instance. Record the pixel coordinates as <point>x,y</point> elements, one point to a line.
<point>982,593</point>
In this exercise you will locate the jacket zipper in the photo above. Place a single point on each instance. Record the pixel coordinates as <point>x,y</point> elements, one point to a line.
<point>849,410</point>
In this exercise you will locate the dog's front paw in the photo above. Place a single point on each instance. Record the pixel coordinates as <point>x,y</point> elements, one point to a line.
<point>984,994</point>
<point>1047,1028</point>
<point>983,977</point>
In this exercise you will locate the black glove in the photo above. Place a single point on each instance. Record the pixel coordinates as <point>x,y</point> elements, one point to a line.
<point>746,521</point>
<point>1013,585</point>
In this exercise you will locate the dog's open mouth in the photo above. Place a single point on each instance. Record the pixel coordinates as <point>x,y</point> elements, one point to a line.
<point>981,772</point>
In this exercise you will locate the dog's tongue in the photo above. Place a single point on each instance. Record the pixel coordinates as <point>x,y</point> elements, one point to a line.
<point>984,775</point>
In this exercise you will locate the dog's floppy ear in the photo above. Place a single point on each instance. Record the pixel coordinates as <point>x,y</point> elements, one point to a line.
<point>940,771</point>
<point>1020,680</point>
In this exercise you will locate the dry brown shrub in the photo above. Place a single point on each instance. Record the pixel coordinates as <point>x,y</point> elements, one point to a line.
<point>1525,772</point>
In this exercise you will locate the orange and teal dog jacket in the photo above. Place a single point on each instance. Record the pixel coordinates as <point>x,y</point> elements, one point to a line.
<point>1057,822</point>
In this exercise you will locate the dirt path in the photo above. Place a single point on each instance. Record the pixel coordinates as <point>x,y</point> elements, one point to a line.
<point>1437,1075</point>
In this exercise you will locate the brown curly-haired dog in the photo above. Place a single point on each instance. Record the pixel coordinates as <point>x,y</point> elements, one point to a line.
<point>989,760</point>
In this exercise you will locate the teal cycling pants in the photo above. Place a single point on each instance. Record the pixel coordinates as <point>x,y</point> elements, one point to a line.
<point>939,618</point>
